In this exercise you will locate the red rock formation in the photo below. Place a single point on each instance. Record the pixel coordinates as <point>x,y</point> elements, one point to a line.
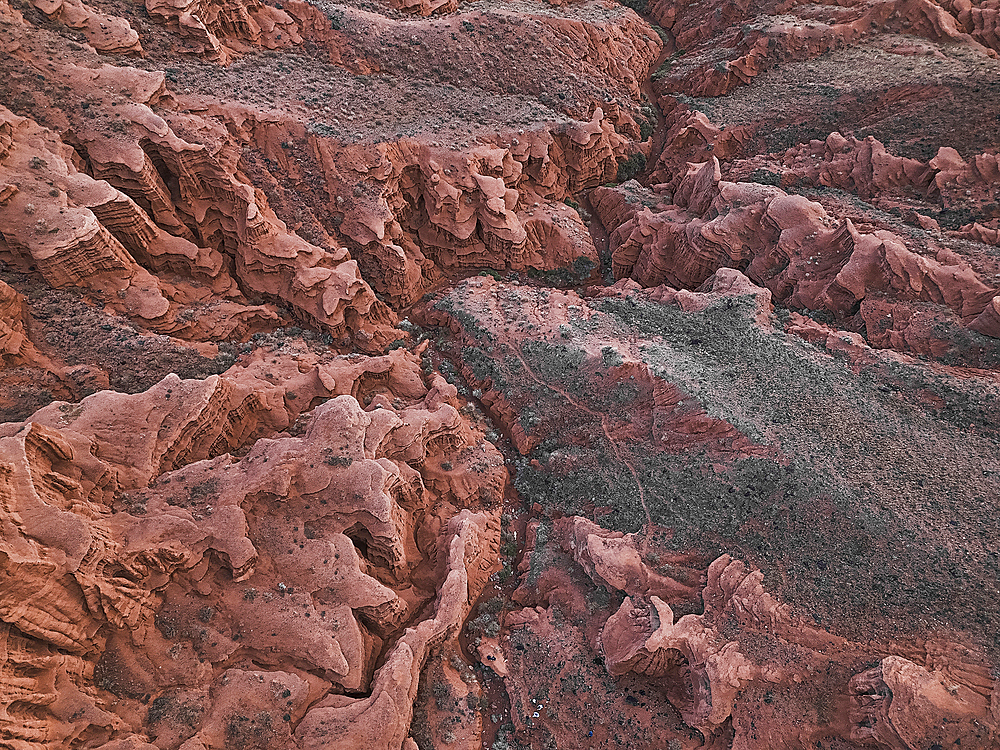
<point>901,704</point>
<point>613,560</point>
<point>867,169</point>
<point>382,720</point>
<point>67,244</point>
<point>218,29</point>
<point>790,245</point>
<point>423,209</point>
<point>15,346</point>
<point>116,573</point>
<point>427,7</point>
<point>109,34</point>
<point>95,234</point>
<point>789,31</point>
<point>427,208</point>
<point>707,675</point>
<point>306,550</point>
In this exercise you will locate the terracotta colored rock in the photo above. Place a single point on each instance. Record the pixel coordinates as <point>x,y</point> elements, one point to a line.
<point>222,534</point>
<point>901,704</point>
<point>67,243</point>
<point>381,721</point>
<point>867,169</point>
<point>427,7</point>
<point>802,36</point>
<point>323,284</point>
<point>789,244</point>
<point>211,26</point>
<point>182,205</point>
<point>110,34</point>
<point>988,321</point>
<point>614,560</point>
<point>79,240</point>
<point>438,209</point>
<point>751,671</point>
<point>96,236</point>
<point>80,520</point>
<point>898,704</point>
<point>704,674</point>
<point>556,689</point>
<point>15,346</point>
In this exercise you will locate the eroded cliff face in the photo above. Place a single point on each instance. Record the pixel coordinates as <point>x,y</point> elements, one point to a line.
<point>870,142</point>
<point>423,374</point>
<point>808,259</point>
<point>176,178</point>
<point>242,556</point>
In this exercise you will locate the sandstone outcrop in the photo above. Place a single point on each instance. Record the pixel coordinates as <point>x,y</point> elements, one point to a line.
<point>217,29</point>
<point>791,245</point>
<point>109,34</point>
<point>382,721</point>
<point>427,7</point>
<point>901,704</point>
<point>427,210</point>
<point>755,40</point>
<point>707,675</point>
<point>268,559</point>
<point>15,346</point>
<point>409,209</point>
<point>703,673</point>
<point>67,244</point>
<point>98,235</point>
<point>613,560</point>
<point>240,509</point>
<point>867,169</point>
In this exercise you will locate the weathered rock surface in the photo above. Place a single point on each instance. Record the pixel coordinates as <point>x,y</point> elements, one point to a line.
<point>716,466</point>
<point>808,258</point>
<point>214,29</point>
<point>861,129</point>
<point>105,33</point>
<point>715,680</point>
<point>15,347</point>
<point>758,37</point>
<point>95,235</point>
<point>176,577</point>
<point>499,205</point>
<point>174,214</point>
<point>613,560</point>
<point>219,532</point>
<point>803,255</point>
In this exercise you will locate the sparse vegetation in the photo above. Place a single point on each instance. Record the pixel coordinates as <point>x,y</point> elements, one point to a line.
<point>765,509</point>
<point>631,167</point>
<point>764,177</point>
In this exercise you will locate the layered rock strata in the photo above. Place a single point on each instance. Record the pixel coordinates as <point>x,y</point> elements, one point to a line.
<point>803,255</point>
<point>153,585</point>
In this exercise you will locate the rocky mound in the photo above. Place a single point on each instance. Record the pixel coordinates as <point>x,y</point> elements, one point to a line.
<point>423,373</point>
<point>690,424</point>
<point>227,600</point>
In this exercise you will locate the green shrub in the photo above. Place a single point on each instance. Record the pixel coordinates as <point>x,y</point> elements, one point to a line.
<point>631,167</point>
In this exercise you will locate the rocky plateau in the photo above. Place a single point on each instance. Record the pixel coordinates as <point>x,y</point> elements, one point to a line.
<point>425,374</point>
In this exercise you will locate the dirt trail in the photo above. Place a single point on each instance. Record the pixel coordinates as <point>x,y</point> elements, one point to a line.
<point>607,434</point>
